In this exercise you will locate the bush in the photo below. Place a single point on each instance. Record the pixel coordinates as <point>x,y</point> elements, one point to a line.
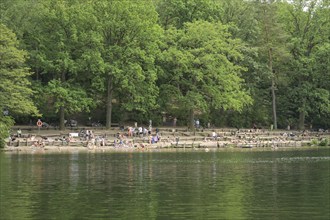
<point>3,134</point>
<point>5,125</point>
<point>324,142</point>
<point>314,142</point>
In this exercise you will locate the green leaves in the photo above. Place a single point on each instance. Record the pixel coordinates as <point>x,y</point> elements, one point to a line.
<point>14,84</point>
<point>130,38</point>
<point>6,123</point>
<point>202,64</point>
<point>70,96</point>
<point>308,25</point>
<point>206,57</point>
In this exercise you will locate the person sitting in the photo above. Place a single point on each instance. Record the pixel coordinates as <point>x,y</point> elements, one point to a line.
<point>38,143</point>
<point>156,138</point>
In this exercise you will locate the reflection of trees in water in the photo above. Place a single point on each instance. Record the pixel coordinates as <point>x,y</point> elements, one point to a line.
<point>74,169</point>
<point>145,185</point>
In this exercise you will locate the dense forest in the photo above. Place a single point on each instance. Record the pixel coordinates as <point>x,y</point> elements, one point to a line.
<point>226,62</point>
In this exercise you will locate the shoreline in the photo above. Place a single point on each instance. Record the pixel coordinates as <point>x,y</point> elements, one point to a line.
<point>107,149</point>
<point>170,139</point>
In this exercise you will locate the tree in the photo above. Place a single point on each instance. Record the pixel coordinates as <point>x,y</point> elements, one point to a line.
<point>243,18</point>
<point>56,46</point>
<point>174,13</point>
<point>272,46</point>
<point>14,84</point>
<point>320,66</point>
<point>200,70</point>
<point>129,42</point>
<point>308,24</point>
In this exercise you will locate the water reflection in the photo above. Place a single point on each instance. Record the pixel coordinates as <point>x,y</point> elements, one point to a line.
<point>179,185</point>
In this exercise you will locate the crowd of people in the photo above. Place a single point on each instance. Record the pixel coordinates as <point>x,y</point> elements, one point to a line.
<point>140,136</point>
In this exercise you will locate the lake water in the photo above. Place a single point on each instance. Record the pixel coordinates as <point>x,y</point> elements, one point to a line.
<point>234,184</point>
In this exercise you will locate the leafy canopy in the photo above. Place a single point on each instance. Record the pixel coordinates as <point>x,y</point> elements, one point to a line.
<point>14,84</point>
<point>201,62</point>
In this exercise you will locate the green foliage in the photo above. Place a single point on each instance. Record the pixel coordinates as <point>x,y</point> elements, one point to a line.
<point>324,142</point>
<point>222,60</point>
<point>72,97</point>
<point>129,36</point>
<point>175,13</point>
<point>14,85</point>
<point>61,56</point>
<point>201,62</point>
<point>314,142</point>
<point>241,15</point>
<point>6,123</point>
<point>308,25</point>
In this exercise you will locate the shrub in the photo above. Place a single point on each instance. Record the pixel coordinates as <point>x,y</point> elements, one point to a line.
<point>5,124</point>
<point>324,142</point>
<point>314,142</point>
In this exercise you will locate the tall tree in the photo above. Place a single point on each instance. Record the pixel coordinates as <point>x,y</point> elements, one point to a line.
<point>56,46</point>
<point>14,84</point>
<point>308,24</point>
<point>200,70</point>
<point>272,45</point>
<point>129,36</point>
<point>243,18</point>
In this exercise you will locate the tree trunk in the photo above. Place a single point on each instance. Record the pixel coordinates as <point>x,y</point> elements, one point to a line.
<point>270,65</point>
<point>274,104</point>
<point>191,120</point>
<point>62,108</point>
<point>301,120</point>
<point>109,102</point>
<point>301,123</point>
<point>62,126</point>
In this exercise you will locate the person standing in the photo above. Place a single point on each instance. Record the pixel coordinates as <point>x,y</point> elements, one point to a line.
<point>197,123</point>
<point>214,135</point>
<point>19,133</point>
